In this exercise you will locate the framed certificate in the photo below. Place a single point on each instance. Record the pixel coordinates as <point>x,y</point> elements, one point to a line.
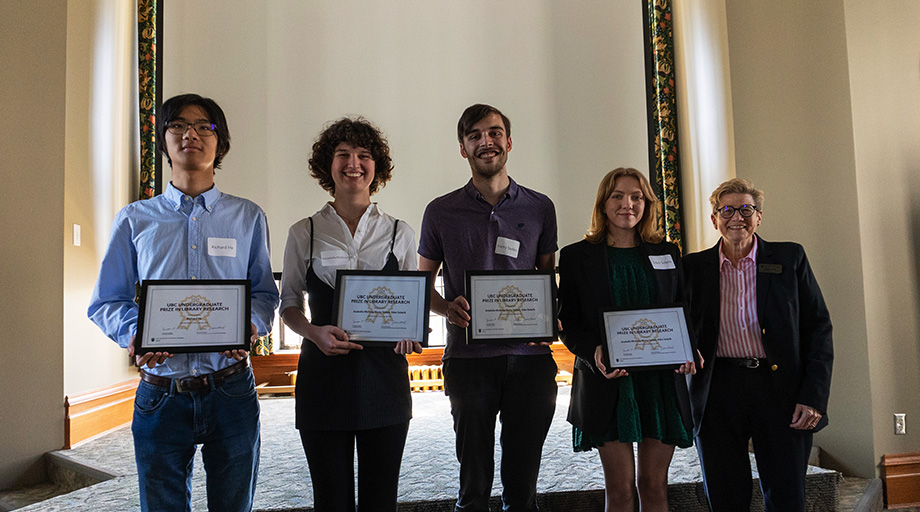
<point>646,339</point>
<point>178,316</point>
<point>382,308</point>
<point>508,306</point>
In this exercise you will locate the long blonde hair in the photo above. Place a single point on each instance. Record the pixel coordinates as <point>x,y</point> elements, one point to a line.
<point>648,227</point>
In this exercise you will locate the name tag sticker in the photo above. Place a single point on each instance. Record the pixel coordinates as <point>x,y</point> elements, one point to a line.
<point>222,247</point>
<point>507,247</point>
<point>334,258</point>
<point>770,268</point>
<point>661,262</point>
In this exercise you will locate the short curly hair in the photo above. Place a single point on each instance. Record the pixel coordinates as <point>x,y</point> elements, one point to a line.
<point>359,132</point>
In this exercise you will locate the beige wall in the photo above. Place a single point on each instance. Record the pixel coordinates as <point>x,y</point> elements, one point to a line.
<point>100,156</point>
<point>66,149</point>
<point>32,96</point>
<point>884,60</point>
<point>572,86</point>
<point>807,90</point>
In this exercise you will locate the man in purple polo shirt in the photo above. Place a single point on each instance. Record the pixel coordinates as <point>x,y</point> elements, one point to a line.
<point>491,223</point>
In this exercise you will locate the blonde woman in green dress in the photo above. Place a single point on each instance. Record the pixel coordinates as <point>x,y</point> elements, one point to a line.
<point>623,262</point>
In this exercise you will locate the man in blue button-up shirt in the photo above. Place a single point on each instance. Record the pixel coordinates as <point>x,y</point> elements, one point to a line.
<point>191,231</point>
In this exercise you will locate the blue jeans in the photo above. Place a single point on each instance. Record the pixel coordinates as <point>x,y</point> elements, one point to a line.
<point>169,425</point>
<point>521,391</point>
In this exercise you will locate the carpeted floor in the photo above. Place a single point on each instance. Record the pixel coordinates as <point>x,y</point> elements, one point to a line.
<point>429,469</point>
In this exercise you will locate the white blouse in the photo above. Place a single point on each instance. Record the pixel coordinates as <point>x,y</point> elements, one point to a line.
<point>335,248</point>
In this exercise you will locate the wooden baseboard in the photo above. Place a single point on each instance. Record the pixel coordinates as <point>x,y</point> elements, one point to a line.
<point>901,475</point>
<point>94,412</point>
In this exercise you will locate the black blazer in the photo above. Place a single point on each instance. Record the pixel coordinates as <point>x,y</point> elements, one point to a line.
<point>584,290</point>
<point>794,322</point>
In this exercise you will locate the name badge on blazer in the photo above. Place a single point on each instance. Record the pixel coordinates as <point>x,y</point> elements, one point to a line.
<point>770,268</point>
<point>661,262</point>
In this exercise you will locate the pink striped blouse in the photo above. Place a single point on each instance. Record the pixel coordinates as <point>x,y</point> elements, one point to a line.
<point>739,328</point>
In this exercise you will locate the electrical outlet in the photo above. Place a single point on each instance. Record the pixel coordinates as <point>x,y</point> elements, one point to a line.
<point>900,427</point>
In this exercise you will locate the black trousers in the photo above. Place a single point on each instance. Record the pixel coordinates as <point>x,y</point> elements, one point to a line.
<point>521,390</point>
<point>331,456</point>
<point>742,406</point>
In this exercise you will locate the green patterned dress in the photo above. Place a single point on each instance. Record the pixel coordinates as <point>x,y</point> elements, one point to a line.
<point>647,402</point>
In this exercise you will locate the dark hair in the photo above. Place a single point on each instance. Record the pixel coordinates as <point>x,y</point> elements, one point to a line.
<point>475,113</point>
<point>358,132</point>
<point>170,111</point>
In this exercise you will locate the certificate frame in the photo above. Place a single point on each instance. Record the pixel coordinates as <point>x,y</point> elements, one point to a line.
<point>362,297</point>
<point>188,315</point>
<point>628,332</point>
<point>529,316</point>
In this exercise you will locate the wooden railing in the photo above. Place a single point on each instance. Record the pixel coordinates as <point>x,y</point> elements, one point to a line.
<point>275,373</point>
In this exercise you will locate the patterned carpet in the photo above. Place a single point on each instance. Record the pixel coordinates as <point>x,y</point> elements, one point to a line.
<point>428,481</point>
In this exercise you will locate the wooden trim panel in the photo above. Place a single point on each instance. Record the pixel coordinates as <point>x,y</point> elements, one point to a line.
<point>274,369</point>
<point>901,475</point>
<point>95,412</point>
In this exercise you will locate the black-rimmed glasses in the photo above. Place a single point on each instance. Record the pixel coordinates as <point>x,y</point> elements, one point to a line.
<point>727,212</point>
<point>203,129</point>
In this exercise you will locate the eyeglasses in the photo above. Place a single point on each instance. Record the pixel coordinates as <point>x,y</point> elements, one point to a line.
<point>727,212</point>
<point>203,129</point>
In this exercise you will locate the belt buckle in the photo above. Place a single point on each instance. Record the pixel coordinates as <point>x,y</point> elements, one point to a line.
<point>190,381</point>
<point>751,362</point>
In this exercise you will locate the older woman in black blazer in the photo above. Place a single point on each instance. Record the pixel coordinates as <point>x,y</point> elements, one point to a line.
<point>763,325</point>
<point>623,262</point>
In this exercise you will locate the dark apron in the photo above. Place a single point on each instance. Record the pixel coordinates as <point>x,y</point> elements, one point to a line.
<point>361,390</point>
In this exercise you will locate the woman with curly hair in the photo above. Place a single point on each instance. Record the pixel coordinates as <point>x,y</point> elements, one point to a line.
<point>348,395</point>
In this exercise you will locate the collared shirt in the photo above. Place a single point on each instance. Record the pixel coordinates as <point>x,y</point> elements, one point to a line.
<point>176,236</point>
<point>739,327</point>
<point>335,248</point>
<point>465,232</point>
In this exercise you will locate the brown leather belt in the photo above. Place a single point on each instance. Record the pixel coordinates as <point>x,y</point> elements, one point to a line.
<point>189,384</point>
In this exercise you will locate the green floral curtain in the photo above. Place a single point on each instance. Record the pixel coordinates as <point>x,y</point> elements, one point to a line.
<point>665,168</point>
<point>147,69</point>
